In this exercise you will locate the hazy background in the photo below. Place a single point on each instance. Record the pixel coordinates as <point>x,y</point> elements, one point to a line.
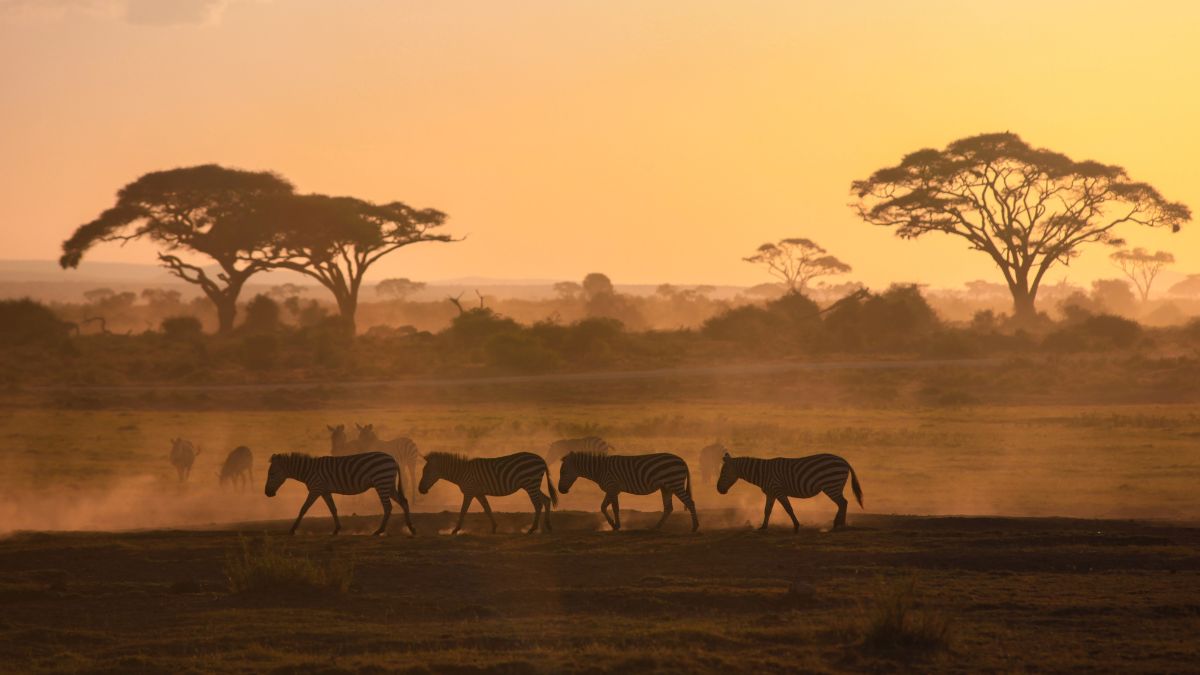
<point>569,137</point>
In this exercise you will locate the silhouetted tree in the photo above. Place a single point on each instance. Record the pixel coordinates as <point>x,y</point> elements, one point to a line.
<point>1114,295</point>
<point>1027,208</point>
<point>596,284</point>
<point>1142,267</point>
<point>335,240</point>
<point>195,210</point>
<point>797,261</point>
<point>567,290</point>
<point>398,289</point>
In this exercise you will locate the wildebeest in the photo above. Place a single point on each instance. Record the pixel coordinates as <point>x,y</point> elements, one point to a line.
<point>183,455</point>
<point>710,462</point>
<point>238,468</point>
<point>402,448</point>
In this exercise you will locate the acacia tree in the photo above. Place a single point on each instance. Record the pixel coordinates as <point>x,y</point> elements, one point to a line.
<point>398,289</point>
<point>1027,208</point>
<point>797,261</point>
<point>1142,267</point>
<point>195,210</point>
<point>335,240</point>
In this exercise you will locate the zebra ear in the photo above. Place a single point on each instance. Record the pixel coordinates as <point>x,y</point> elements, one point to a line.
<point>358,426</point>
<point>330,428</point>
<point>725,458</point>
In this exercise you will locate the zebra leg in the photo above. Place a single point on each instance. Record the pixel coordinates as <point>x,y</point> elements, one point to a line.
<point>686,499</point>
<point>616,509</point>
<point>546,506</point>
<point>787,506</point>
<point>667,508</point>
<point>840,519</point>
<point>536,498</point>
<point>404,505</point>
<point>462,513</point>
<point>308,502</point>
<point>387,511</point>
<point>337,524</point>
<point>604,511</point>
<point>487,508</point>
<point>767,511</point>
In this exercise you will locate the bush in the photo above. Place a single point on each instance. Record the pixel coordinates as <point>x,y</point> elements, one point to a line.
<point>267,568</point>
<point>262,315</point>
<point>1094,332</point>
<point>181,327</point>
<point>26,321</point>
<point>520,351</point>
<point>895,625</point>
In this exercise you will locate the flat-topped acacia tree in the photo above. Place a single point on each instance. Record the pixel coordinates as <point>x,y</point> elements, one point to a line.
<point>1027,208</point>
<point>192,211</point>
<point>335,240</point>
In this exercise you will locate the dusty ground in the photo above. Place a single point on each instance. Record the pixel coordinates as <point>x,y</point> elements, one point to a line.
<point>1017,594</point>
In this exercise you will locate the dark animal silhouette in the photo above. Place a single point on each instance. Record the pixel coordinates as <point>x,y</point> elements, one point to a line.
<point>348,475</point>
<point>635,474</point>
<point>238,469</point>
<point>403,449</point>
<point>183,455</point>
<point>340,444</point>
<point>482,477</point>
<point>784,477</point>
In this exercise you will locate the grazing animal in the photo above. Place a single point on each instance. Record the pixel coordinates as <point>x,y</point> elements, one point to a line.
<point>238,468</point>
<point>560,448</point>
<point>783,477</point>
<point>341,445</point>
<point>710,462</point>
<point>482,477</point>
<point>403,449</point>
<point>183,455</point>
<point>347,475</point>
<point>635,474</point>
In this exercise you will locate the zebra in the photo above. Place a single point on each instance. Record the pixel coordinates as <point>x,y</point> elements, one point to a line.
<point>710,462</point>
<point>345,475</point>
<point>560,448</point>
<point>403,449</point>
<point>238,465</point>
<point>635,474</point>
<point>183,455</point>
<point>783,477</point>
<point>340,445</point>
<point>482,477</point>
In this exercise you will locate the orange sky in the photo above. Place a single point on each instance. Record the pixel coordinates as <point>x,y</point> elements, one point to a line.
<point>654,141</point>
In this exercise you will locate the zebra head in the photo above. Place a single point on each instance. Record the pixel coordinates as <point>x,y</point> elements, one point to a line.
<point>276,474</point>
<point>366,434</point>
<point>729,474</point>
<point>431,474</point>
<point>569,473</point>
<point>337,437</point>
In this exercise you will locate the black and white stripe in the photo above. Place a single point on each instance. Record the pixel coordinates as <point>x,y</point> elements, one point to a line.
<point>784,477</point>
<point>560,448</point>
<point>635,474</point>
<point>403,449</point>
<point>482,477</point>
<point>347,475</point>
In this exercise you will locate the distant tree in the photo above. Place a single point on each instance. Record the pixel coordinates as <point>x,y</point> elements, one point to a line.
<point>335,240</point>
<point>1188,287</point>
<point>1142,267</point>
<point>1026,208</point>
<point>597,284</point>
<point>797,261</point>
<point>398,289</point>
<point>181,327</point>
<point>262,315</point>
<point>666,290</point>
<point>770,290</point>
<point>189,211</point>
<point>26,321</point>
<point>1114,295</point>
<point>158,298</point>
<point>567,290</point>
<point>98,295</point>
<point>985,289</point>
<point>281,292</point>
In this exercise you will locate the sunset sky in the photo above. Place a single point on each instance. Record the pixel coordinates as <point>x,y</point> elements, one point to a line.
<point>653,141</point>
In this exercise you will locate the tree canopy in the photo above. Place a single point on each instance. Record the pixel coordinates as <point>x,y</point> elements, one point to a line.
<point>1142,267</point>
<point>192,210</point>
<point>797,261</point>
<point>1027,208</point>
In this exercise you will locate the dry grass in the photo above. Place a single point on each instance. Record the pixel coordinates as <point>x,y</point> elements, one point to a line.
<point>267,567</point>
<point>896,625</point>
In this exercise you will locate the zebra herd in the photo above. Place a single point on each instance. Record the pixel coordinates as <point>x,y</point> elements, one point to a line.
<point>351,470</point>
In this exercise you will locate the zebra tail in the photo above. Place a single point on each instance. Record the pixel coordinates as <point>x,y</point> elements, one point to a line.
<point>550,486</point>
<point>855,486</point>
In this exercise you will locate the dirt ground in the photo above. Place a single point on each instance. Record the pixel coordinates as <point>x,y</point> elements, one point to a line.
<point>1013,594</point>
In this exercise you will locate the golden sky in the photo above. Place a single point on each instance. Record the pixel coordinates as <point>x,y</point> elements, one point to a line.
<point>653,141</point>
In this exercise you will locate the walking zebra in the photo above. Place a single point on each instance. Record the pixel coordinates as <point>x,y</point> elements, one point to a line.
<point>635,474</point>
<point>710,462</point>
<point>183,455</point>
<point>560,448</point>
<point>238,465</point>
<point>783,477</point>
<point>403,449</point>
<point>482,477</point>
<point>347,475</point>
<point>340,445</point>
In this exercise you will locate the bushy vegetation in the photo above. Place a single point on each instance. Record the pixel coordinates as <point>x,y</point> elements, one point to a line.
<point>897,625</point>
<point>266,567</point>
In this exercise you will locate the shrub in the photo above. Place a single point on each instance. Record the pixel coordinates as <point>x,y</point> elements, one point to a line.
<point>26,321</point>
<point>520,351</point>
<point>262,315</point>
<point>895,624</point>
<point>266,567</point>
<point>181,327</point>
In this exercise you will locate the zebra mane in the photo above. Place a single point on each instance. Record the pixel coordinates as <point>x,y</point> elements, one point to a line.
<point>289,457</point>
<point>449,457</point>
<point>585,454</point>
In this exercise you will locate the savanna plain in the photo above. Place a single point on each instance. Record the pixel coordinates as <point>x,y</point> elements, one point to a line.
<point>1015,532</point>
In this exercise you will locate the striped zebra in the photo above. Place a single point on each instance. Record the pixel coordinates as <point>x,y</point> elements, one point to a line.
<point>783,477</point>
<point>238,468</point>
<point>635,474</point>
<point>346,475</point>
<point>403,449</point>
<point>560,448</point>
<point>183,455</point>
<point>482,477</point>
<point>340,445</point>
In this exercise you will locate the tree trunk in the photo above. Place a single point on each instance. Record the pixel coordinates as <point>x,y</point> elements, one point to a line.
<point>226,312</point>
<point>1024,310</point>
<point>347,308</point>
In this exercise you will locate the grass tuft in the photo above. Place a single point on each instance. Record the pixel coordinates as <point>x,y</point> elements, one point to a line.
<point>267,567</point>
<point>895,625</point>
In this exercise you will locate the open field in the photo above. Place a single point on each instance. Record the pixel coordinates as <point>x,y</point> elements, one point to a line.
<point>1010,595</point>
